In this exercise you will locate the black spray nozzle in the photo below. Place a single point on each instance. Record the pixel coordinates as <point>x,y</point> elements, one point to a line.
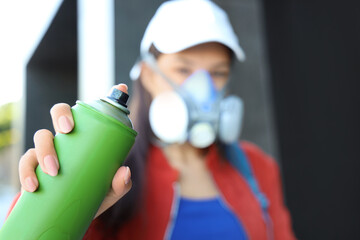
<point>119,97</point>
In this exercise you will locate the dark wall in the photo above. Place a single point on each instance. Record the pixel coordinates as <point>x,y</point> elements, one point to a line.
<point>51,73</point>
<point>314,55</point>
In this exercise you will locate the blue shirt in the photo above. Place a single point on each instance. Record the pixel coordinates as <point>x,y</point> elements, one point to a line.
<point>206,219</point>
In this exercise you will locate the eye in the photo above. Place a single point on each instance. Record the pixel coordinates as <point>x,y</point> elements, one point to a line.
<point>220,74</point>
<point>183,71</point>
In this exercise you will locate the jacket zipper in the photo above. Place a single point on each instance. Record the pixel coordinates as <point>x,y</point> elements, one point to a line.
<point>229,207</point>
<point>174,211</point>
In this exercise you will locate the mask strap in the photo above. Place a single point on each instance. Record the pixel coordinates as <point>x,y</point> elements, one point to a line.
<point>150,60</point>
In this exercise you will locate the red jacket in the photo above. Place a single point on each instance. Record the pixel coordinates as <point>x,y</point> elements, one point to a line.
<point>154,221</point>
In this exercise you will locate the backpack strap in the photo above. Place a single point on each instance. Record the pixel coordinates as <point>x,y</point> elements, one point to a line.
<point>238,159</point>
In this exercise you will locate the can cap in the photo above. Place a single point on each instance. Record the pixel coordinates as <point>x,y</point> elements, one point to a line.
<point>119,97</point>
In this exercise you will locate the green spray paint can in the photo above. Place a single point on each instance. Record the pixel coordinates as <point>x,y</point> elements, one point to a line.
<point>63,206</point>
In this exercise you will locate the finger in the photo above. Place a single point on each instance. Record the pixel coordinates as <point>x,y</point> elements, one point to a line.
<point>121,184</point>
<point>62,118</point>
<point>122,87</point>
<point>27,166</point>
<point>45,152</point>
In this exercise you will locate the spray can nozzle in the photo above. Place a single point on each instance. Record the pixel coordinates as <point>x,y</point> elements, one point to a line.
<point>118,97</point>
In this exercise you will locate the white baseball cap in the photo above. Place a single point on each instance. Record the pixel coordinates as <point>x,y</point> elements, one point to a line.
<point>181,24</point>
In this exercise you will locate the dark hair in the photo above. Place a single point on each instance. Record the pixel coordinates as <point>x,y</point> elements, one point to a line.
<point>127,206</point>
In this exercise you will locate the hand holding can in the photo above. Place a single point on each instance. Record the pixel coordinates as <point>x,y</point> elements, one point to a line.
<point>89,156</point>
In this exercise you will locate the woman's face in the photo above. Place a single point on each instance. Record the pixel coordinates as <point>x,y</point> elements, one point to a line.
<point>212,57</point>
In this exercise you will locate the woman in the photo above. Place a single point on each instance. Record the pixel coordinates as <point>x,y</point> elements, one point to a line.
<point>189,180</point>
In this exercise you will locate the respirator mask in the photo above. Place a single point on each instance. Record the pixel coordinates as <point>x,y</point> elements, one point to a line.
<point>194,111</point>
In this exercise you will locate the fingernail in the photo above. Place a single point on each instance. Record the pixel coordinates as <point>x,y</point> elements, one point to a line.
<point>30,184</point>
<point>127,176</point>
<point>51,165</point>
<point>124,86</point>
<point>65,124</point>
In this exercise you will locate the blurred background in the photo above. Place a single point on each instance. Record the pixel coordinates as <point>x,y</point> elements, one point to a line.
<point>300,85</point>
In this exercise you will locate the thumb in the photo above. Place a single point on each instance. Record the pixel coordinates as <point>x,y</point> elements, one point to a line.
<point>121,184</point>
<point>122,87</point>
